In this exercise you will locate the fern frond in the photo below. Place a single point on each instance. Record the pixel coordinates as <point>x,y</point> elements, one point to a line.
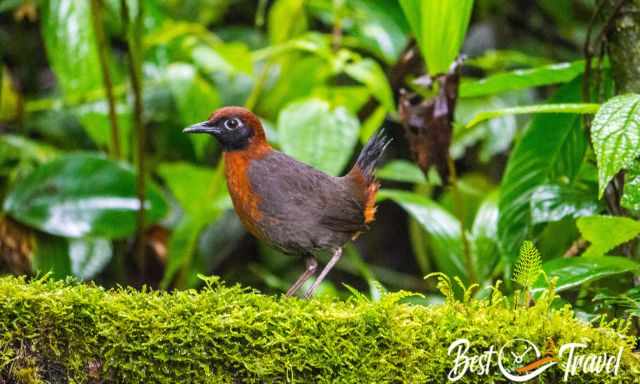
<point>529,265</point>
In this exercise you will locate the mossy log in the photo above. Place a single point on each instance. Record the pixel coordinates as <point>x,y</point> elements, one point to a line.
<point>67,332</point>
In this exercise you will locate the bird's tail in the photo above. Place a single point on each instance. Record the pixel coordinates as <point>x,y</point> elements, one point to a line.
<point>363,171</point>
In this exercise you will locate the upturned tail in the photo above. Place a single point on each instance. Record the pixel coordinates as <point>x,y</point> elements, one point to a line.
<point>363,171</point>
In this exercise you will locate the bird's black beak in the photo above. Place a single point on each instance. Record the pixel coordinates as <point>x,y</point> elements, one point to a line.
<point>203,127</point>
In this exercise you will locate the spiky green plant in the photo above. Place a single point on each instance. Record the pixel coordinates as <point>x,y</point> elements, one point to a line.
<point>528,267</point>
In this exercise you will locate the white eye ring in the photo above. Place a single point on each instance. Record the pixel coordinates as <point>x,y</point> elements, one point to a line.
<point>232,123</point>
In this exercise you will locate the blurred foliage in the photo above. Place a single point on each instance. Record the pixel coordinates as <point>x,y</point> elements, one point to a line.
<point>323,76</point>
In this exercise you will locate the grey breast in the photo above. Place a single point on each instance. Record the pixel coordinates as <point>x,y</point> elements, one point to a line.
<point>304,210</point>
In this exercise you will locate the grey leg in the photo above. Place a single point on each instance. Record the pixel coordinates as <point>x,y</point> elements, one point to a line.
<point>327,268</point>
<point>312,265</point>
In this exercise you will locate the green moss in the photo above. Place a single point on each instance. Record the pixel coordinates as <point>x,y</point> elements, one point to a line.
<point>68,332</point>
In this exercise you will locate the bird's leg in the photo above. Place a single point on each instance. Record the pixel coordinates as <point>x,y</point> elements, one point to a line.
<point>312,265</point>
<point>334,259</point>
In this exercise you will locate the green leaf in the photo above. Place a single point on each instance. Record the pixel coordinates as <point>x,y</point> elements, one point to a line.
<point>182,245</point>
<point>484,237</point>
<point>287,18</point>
<point>496,134</point>
<point>631,195</point>
<point>51,255</point>
<point>79,195</point>
<point>401,170</point>
<point>579,108</point>
<point>71,47</point>
<point>440,27</point>
<point>313,133</point>
<point>200,191</point>
<point>575,271</point>
<point>443,229</point>
<point>553,202</point>
<point>369,73</point>
<point>202,194</point>
<point>551,149</point>
<point>195,99</point>
<point>379,25</point>
<point>95,119</point>
<point>522,78</point>
<point>9,97</point>
<point>89,256</point>
<point>615,133</point>
<point>606,232</point>
<point>72,51</point>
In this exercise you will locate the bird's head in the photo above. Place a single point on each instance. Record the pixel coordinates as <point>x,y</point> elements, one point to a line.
<point>235,128</point>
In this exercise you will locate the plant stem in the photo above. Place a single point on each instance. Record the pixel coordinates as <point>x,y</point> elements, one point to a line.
<point>134,47</point>
<point>459,203</point>
<point>98,29</point>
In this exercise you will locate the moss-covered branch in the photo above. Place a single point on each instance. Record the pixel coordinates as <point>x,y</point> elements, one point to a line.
<point>56,332</point>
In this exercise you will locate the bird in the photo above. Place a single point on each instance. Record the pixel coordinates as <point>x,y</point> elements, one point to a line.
<point>290,205</point>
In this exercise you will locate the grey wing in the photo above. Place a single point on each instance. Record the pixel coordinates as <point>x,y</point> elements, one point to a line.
<point>315,209</point>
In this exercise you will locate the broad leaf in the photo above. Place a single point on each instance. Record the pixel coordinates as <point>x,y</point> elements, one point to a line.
<point>194,97</point>
<point>89,256</point>
<point>401,170</point>
<point>484,237</point>
<point>313,133</point>
<point>369,73</point>
<point>379,26</point>
<point>72,51</point>
<point>287,18</point>
<point>553,202</point>
<point>631,196</point>
<point>575,271</point>
<point>51,255</point>
<point>551,148</point>
<point>615,134</point>
<point>443,229</point>
<point>522,78</point>
<point>202,194</point>
<point>80,195</point>
<point>71,45</point>
<point>606,232</point>
<point>496,135</point>
<point>581,108</point>
<point>440,27</point>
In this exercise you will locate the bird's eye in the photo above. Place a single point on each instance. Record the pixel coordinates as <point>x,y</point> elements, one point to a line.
<point>232,123</point>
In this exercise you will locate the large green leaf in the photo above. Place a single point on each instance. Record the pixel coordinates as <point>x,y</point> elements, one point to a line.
<point>287,18</point>
<point>89,256</point>
<point>443,229</point>
<point>440,27</point>
<point>79,195</point>
<point>484,237</point>
<point>202,194</point>
<point>495,135</point>
<point>606,232</point>
<point>72,51</point>
<point>575,271</point>
<point>553,202</point>
<point>551,148</point>
<point>315,134</point>
<point>581,108</point>
<point>522,78</point>
<point>631,196</point>
<point>369,73</point>
<point>615,134</point>
<point>401,170</point>
<point>379,26</point>
<point>71,45</point>
<point>51,255</point>
<point>195,99</point>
